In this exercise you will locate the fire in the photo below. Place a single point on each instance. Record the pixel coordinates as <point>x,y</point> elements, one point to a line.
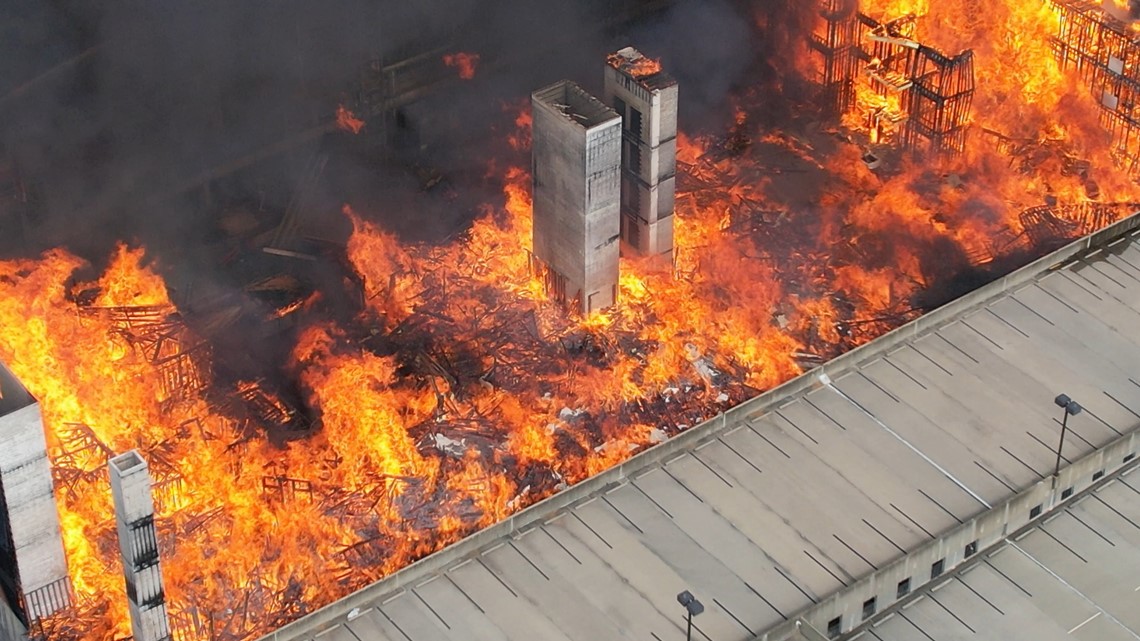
<point>465,63</point>
<point>459,392</point>
<point>639,67</point>
<point>347,121</point>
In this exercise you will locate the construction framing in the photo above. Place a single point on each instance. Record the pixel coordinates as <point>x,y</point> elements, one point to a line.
<point>929,94</point>
<point>1105,52</point>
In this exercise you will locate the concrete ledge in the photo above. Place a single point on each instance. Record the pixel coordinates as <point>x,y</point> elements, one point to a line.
<point>328,616</point>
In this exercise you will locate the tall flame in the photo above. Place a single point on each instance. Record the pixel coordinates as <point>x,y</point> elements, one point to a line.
<point>460,393</point>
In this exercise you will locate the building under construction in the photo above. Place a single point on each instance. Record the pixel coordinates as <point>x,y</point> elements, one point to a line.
<point>927,94</point>
<point>1104,50</point>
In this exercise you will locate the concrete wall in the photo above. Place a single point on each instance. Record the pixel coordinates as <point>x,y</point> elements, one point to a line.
<point>10,627</point>
<point>331,614</point>
<point>576,171</point>
<point>138,546</point>
<point>25,472</point>
<point>649,184</point>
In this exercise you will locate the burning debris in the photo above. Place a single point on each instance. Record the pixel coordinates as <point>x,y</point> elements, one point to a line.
<point>456,390</point>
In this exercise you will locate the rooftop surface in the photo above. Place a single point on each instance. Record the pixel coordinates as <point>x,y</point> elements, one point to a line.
<point>794,495</point>
<point>1074,577</point>
<point>644,70</point>
<point>579,106</point>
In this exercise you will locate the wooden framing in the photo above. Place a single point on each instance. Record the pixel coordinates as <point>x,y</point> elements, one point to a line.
<point>1106,53</point>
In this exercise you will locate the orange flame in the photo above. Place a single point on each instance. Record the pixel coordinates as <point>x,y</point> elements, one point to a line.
<point>347,121</point>
<point>465,63</point>
<point>640,67</point>
<point>461,393</point>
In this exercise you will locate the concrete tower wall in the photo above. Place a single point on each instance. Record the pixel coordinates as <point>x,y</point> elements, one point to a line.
<point>576,169</point>
<point>33,566</point>
<point>138,544</point>
<point>11,628</point>
<point>647,103</point>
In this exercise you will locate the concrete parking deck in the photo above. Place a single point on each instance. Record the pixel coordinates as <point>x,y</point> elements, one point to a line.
<point>778,504</point>
<point>1075,577</point>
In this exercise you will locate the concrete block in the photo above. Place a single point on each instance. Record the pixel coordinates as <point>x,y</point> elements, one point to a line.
<point>138,545</point>
<point>576,166</point>
<point>33,567</point>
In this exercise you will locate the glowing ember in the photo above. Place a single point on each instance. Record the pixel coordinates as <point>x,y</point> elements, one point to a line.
<point>465,63</point>
<point>347,121</point>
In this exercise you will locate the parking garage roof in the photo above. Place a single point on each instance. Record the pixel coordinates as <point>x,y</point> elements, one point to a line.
<point>1075,576</point>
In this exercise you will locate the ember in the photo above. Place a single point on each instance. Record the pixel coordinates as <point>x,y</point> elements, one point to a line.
<point>347,121</point>
<point>458,392</point>
<point>465,63</point>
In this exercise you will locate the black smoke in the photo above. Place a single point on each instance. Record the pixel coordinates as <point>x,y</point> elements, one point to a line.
<point>115,111</point>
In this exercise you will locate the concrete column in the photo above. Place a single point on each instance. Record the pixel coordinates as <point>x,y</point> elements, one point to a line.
<point>33,568</point>
<point>138,544</point>
<point>646,99</point>
<point>576,169</point>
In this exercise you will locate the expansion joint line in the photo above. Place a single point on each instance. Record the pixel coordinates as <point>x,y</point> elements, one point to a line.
<point>1073,588</point>
<point>826,380</point>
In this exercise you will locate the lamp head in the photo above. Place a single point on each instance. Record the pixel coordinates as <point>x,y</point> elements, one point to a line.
<point>691,603</point>
<point>1071,407</point>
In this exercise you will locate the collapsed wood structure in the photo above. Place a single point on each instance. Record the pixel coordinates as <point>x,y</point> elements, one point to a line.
<point>182,358</point>
<point>928,95</point>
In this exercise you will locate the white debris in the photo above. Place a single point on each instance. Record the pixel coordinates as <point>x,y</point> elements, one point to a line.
<point>450,446</point>
<point>722,398</point>
<point>355,612</point>
<point>683,427</point>
<point>704,366</point>
<point>568,414</point>
<point>669,391</point>
<point>657,436</point>
<point>517,500</point>
<point>616,445</point>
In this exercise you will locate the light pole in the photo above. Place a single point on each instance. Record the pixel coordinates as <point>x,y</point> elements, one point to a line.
<point>693,607</point>
<point>1072,408</point>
